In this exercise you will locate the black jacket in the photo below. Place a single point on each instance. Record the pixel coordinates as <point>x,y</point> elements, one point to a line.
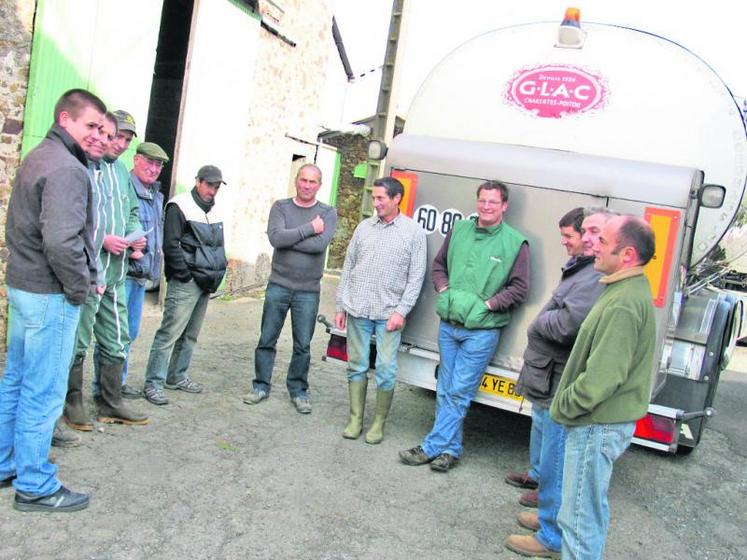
<point>193,242</point>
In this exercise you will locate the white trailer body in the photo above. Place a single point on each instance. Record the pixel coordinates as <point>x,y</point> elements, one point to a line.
<point>626,120</point>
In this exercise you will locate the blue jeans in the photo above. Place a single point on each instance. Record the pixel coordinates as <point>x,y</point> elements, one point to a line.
<point>135,298</point>
<point>41,338</point>
<point>465,353</point>
<point>552,455</point>
<point>590,452</point>
<point>535,445</point>
<point>359,332</point>
<point>303,308</point>
<point>183,313</point>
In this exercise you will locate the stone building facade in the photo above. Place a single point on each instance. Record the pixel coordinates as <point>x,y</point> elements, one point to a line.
<point>16,22</point>
<point>353,149</point>
<point>283,124</point>
<point>289,77</point>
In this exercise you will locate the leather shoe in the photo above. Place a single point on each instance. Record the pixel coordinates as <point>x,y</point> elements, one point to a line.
<point>63,500</point>
<point>62,437</point>
<point>444,462</point>
<point>414,456</point>
<point>528,545</point>
<point>7,482</point>
<point>521,480</point>
<point>529,499</point>
<point>528,520</point>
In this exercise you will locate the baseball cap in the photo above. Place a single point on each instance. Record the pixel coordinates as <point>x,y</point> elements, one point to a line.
<point>211,174</point>
<point>153,151</point>
<point>125,121</point>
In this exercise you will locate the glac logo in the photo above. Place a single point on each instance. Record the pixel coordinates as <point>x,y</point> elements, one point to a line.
<point>555,91</point>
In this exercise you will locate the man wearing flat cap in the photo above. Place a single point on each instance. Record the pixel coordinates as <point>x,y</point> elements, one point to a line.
<point>104,313</point>
<point>195,263</point>
<point>148,162</point>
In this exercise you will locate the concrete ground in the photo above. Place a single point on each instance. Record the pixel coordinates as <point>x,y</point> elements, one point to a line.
<point>210,477</point>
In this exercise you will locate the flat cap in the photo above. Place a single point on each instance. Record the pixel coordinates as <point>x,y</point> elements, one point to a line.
<point>153,151</point>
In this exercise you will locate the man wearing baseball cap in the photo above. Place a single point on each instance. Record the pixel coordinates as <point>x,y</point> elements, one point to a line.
<point>195,263</point>
<point>104,314</point>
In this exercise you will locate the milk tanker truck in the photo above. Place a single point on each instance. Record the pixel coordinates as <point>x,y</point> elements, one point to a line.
<point>569,116</point>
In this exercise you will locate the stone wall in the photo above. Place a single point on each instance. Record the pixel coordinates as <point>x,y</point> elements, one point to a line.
<point>353,149</point>
<point>284,123</point>
<point>16,22</point>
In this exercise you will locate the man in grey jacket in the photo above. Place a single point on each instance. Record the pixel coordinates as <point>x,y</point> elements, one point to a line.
<point>550,338</point>
<point>51,270</point>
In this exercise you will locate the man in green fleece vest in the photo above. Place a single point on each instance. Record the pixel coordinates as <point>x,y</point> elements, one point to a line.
<point>481,273</point>
<point>606,384</point>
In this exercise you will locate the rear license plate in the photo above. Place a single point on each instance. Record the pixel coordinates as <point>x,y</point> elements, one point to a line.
<point>500,386</point>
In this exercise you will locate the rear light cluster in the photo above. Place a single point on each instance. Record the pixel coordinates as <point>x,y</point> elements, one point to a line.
<point>337,348</point>
<point>656,428</point>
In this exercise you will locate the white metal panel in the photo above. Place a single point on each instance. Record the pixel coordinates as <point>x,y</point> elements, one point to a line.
<point>656,102</point>
<point>217,100</point>
<point>326,159</point>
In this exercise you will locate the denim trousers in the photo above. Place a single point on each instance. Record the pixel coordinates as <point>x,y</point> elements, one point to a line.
<point>551,460</point>
<point>41,338</point>
<point>359,332</point>
<point>535,445</point>
<point>464,355</point>
<point>135,293</point>
<point>175,340</point>
<point>590,452</point>
<point>303,308</point>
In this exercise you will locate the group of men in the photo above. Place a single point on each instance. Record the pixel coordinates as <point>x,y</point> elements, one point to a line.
<point>85,237</point>
<point>587,365</point>
<point>592,344</point>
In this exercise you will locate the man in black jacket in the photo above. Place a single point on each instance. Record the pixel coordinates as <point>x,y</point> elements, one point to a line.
<point>195,263</point>
<point>51,270</point>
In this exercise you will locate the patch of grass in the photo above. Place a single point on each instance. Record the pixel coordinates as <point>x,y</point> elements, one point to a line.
<point>226,446</point>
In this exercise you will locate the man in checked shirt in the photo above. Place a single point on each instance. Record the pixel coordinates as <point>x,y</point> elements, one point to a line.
<point>380,283</point>
<point>480,273</point>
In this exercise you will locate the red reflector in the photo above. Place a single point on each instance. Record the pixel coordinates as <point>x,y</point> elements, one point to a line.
<point>656,428</point>
<point>337,348</point>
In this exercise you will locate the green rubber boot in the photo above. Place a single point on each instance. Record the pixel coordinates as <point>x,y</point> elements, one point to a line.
<point>383,403</point>
<point>357,390</point>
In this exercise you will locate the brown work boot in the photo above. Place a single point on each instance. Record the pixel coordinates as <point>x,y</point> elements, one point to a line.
<point>529,499</point>
<point>74,412</point>
<point>528,545</point>
<point>111,408</point>
<point>528,520</point>
<point>521,480</point>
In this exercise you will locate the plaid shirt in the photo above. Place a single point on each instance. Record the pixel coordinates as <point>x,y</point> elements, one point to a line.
<point>384,269</point>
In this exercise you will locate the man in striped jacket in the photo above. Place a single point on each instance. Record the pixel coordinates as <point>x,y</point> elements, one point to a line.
<point>104,314</point>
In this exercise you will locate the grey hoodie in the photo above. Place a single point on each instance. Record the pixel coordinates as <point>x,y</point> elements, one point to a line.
<point>50,221</point>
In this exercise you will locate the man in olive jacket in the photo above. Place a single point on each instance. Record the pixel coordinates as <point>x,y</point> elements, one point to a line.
<point>550,338</point>
<point>606,384</point>
<point>481,273</point>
